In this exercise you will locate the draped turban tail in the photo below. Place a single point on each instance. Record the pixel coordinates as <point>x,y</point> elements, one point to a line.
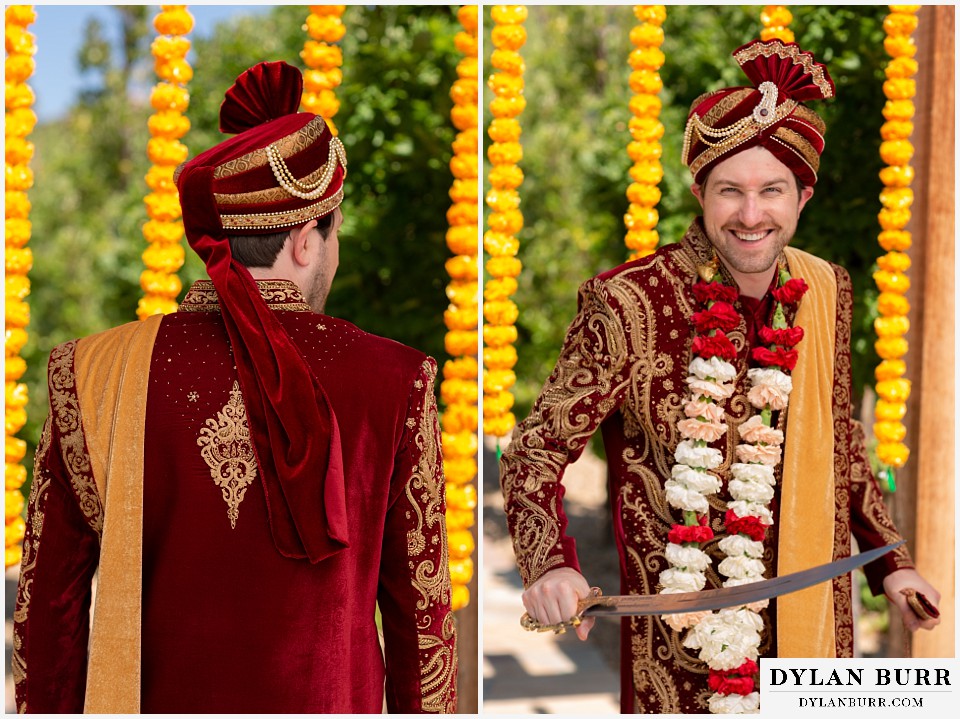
<point>280,171</point>
<point>769,114</point>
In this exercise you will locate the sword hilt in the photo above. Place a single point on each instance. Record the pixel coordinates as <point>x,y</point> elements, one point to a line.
<point>532,625</point>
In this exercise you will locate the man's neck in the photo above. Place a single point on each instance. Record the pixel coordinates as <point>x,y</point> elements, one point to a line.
<point>753,284</point>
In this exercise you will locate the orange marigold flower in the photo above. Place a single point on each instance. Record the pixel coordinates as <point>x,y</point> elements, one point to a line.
<point>17,95</point>
<point>20,15</point>
<point>17,205</point>
<point>497,403</point>
<point>464,91</point>
<point>889,431</point>
<point>163,206</point>
<point>775,15</point>
<point>505,84</point>
<point>508,37</point>
<point>321,55</point>
<point>462,239</point>
<point>646,34</point>
<point>900,89</point>
<point>461,368</point>
<point>504,129</point>
<point>646,129</point>
<point>899,46</point>
<point>506,176</point>
<point>316,81</point>
<point>508,14</point>
<point>166,96</point>
<point>648,173</point>
<point>508,61</point>
<point>890,411</point>
<point>461,319</point>
<point>893,219</point>
<point>505,153</point>
<point>468,15</point>
<point>646,58</point>
<point>642,240</point>
<point>494,336</point>
<point>461,570</point>
<point>901,110</point>
<point>644,151</point>
<point>654,14</point>
<point>166,48</point>
<point>173,20</point>
<point>19,178</point>
<point>500,244</point>
<point>163,257</point>
<point>328,28</point>
<point>894,326</point>
<point>641,218</point>
<point>896,198</point>
<point>504,266</point>
<point>155,305</point>
<point>897,23</point>
<point>648,195</point>
<point>19,68</point>
<point>509,223</point>
<point>463,292</point>
<point>466,43</point>
<point>498,380</point>
<point>500,357</point>
<point>892,454</point>
<point>170,125</point>
<point>460,342</point>
<point>645,81</point>
<point>17,315</point>
<point>503,200</point>
<point>901,67</point>
<point>499,426</point>
<point>895,240</point>
<point>891,348</point>
<point>894,262</point>
<point>14,368</point>
<point>16,231</point>
<point>890,304</point>
<point>499,288</point>
<point>160,283</point>
<point>460,544</point>
<point>501,312</point>
<point>18,260</point>
<point>895,282</point>
<point>459,417</point>
<point>465,143</point>
<point>894,390</point>
<point>896,130</point>
<point>897,175</point>
<point>462,267</point>
<point>507,106</point>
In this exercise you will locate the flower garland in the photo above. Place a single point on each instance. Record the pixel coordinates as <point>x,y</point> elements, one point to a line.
<point>646,130</point>
<point>19,122</point>
<point>325,26</point>
<point>775,19</point>
<point>896,198</point>
<point>164,231</point>
<point>505,220</point>
<point>729,639</point>
<point>459,387</point>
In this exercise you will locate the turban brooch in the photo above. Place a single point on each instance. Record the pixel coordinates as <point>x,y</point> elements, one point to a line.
<point>281,170</point>
<point>770,114</point>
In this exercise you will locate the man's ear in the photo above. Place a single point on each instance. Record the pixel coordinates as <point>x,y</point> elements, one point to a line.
<point>805,194</point>
<point>697,191</point>
<point>300,237</point>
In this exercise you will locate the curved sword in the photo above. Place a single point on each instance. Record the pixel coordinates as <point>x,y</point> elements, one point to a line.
<point>709,599</point>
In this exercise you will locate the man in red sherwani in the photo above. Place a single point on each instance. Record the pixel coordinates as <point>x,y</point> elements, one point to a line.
<point>685,361</point>
<point>250,476</point>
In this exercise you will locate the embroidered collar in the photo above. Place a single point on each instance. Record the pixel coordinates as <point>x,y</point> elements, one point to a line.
<point>700,250</point>
<point>278,294</point>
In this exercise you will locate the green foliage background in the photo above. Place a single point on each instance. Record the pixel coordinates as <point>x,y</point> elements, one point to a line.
<point>399,64</point>
<point>575,162</point>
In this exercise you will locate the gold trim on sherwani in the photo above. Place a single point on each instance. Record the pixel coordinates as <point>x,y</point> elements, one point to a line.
<point>112,391</point>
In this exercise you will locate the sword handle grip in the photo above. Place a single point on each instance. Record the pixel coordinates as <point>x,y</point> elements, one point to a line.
<point>532,625</point>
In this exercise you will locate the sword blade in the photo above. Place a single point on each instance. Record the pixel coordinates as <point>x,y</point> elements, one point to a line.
<point>709,599</point>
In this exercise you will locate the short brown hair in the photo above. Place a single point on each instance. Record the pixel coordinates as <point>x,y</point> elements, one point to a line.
<point>262,250</point>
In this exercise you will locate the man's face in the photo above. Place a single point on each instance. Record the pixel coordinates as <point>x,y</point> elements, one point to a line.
<point>328,259</point>
<point>750,209</point>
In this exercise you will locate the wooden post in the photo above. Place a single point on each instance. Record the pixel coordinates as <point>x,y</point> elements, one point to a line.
<point>929,476</point>
<point>468,643</point>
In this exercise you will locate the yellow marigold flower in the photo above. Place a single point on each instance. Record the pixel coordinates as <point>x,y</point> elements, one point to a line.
<point>497,403</point>
<point>14,419</point>
<point>648,195</point>
<point>162,151</point>
<point>508,37</point>
<point>468,68</point>
<point>494,336</point>
<point>460,342</point>
<point>19,178</point>
<point>166,96</point>
<point>894,390</point>
<point>498,380</point>
<point>460,545</point>
<point>174,20</point>
<point>503,200</point>
<point>14,531</point>
<point>464,166</point>
<point>901,67</point>
<point>646,129</point>
<point>646,58</point>
<point>500,244</point>
<point>20,15</point>
<point>169,232</point>
<point>14,475</point>
<point>893,219</point>
<point>499,426</point>
<point>892,454</point>
<point>462,267</point>
<point>890,411</point>
<point>328,9</point>
<point>321,55</point>
<point>507,106</point>
<point>646,34</point>
<point>326,103</point>
<point>899,46</point>
<point>16,232</point>
<point>13,555</point>
<point>504,266</point>
<point>458,444</point>
<point>320,80</point>
<point>17,205</point>
<point>900,89</point>
<point>895,282</point>
<point>654,14</point>
<point>644,151</point>
<point>13,502</point>
<point>461,292</point>
<point>899,110</point>
<point>905,8</point>
<point>895,240</point>
<point>458,391</point>
<point>500,312</point>
<point>508,14</point>
<point>16,285</point>
<point>891,347</point>
<point>19,41</point>
<point>328,28</point>
<point>504,129</point>
<point>468,16</point>
<point>166,48</point>
<point>500,357</point>
<point>648,173</point>
<point>462,213</point>
<point>19,68</point>
<point>898,198</point>
<point>890,304</point>
<point>896,152</point>
<point>461,569</point>
<point>505,153</point>
<point>897,23</point>
<point>896,130</point>
<point>458,518</point>
<point>160,178</point>
<point>14,340</point>
<point>897,175</point>
<point>169,125</point>
<point>508,61</point>
<point>17,95</point>
<point>464,116</point>
<point>775,15</point>
<point>641,218</point>
<point>14,368</point>
<point>15,449</point>
<point>461,368</point>
<point>16,394</point>
<point>642,240</point>
<point>464,91</point>
<point>895,326</point>
<point>645,81</point>
<point>19,260</point>
<point>505,84</point>
<point>160,283</point>
<point>499,288</point>
<point>890,368</point>
<point>777,33</point>
<point>894,262</point>
<point>509,223</point>
<point>154,305</point>
<point>163,206</point>
<point>462,239</point>
<point>459,417</point>
<point>20,122</point>
<point>163,257</point>
<point>462,497</point>
<point>460,318</point>
<point>465,43</point>
<point>465,143</point>
<point>506,176</point>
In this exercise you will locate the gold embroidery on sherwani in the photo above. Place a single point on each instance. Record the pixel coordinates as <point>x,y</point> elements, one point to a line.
<point>431,576</point>
<point>278,294</point>
<point>226,447</point>
<point>66,410</point>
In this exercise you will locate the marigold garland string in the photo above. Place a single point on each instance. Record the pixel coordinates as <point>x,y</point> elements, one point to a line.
<point>324,60</point>
<point>505,219</point>
<point>896,198</point>
<point>646,130</point>
<point>19,122</point>
<point>458,390</point>
<point>775,19</point>
<point>164,231</point>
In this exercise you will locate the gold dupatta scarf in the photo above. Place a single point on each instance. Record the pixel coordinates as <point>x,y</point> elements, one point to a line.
<point>805,619</point>
<point>112,372</point>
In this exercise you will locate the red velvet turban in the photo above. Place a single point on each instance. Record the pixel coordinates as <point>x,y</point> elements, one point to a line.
<point>770,114</point>
<point>282,170</point>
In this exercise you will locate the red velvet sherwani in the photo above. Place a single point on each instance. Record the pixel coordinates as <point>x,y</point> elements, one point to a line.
<point>622,369</point>
<point>228,623</point>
